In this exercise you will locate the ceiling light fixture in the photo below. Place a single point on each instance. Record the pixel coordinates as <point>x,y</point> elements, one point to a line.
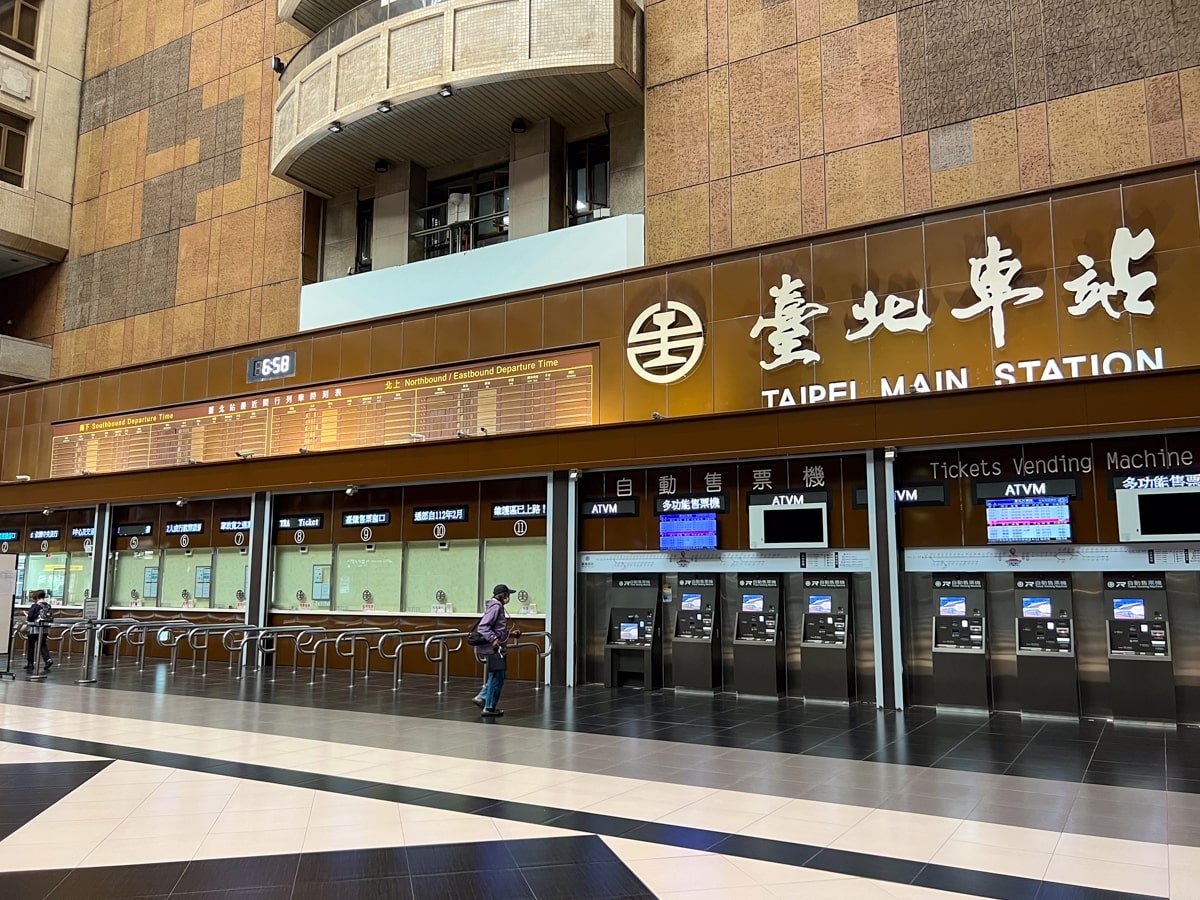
<point>24,478</point>
<point>384,107</point>
<point>335,127</point>
<point>446,91</point>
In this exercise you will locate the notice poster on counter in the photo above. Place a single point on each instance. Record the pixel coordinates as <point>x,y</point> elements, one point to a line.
<point>8,589</point>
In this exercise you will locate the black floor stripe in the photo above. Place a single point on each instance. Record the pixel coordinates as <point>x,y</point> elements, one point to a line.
<point>862,865</point>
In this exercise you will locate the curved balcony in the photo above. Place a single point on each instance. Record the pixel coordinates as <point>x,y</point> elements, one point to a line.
<point>313,15</point>
<point>452,76</point>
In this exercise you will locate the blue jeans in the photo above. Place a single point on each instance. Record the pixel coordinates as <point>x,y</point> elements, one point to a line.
<point>492,688</point>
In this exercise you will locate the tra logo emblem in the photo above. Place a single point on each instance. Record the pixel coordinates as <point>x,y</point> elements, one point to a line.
<point>665,342</point>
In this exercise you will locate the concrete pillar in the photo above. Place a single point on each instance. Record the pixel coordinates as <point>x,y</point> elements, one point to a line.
<point>338,252</point>
<point>399,194</point>
<point>536,180</point>
<point>627,162</point>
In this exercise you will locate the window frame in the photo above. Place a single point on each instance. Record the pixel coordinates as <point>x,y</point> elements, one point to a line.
<point>581,159</point>
<point>10,123</point>
<point>12,41</point>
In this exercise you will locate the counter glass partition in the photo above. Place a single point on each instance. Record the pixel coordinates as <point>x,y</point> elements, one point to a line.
<point>449,567</point>
<point>187,579</point>
<point>521,564</point>
<point>369,577</point>
<point>303,578</point>
<point>231,573</point>
<point>79,577</point>
<point>42,571</point>
<point>135,578</point>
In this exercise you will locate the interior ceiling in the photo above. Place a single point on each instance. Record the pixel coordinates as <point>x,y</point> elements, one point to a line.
<point>316,14</point>
<point>436,131</point>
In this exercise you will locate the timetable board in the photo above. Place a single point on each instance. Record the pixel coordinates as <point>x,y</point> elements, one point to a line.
<point>533,393</point>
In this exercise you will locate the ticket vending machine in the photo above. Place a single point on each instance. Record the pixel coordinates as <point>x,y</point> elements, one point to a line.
<point>1047,681</point>
<point>633,645</point>
<point>758,652</point>
<point>826,655</point>
<point>1140,671</point>
<point>960,665</point>
<point>696,648</point>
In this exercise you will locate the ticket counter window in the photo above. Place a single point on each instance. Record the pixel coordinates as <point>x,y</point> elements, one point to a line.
<point>79,577</point>
<point>135,578</point>
<point>303,580</point>
<point>369,578</point>
<point>231,573</point>
<point>521,564</point>
<point>448,570</point>
<point>187,579</point>
<point>42,572</point>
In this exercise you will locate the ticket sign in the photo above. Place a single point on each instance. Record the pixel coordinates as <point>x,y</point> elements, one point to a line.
<point>316,520</point>
<point>427,514</point>
<point>609,508</point>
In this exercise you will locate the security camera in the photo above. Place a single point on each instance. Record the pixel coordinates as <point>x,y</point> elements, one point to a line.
<point>180,502</point>
<point>656,416</point>
<point>416,436</point>
<point>351,490</point>
<point>460,434</point>
<point>47,511</point>
<point>193,462</point>
<point>243,454</point>
<point>483,430</point>
<point>382,165</point>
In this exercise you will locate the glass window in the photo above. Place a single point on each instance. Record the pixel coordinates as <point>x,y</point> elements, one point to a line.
<point>454,571</point>
<point>79,577</point>
<point>303,580</point>
<point>363,226</point>
<point>12,147</point>
<point>46,572</point>
<point>135,578</point>
<point>186,574</point>
<point>521,564</point>
<point>369,580</point>
<point>464,212</point>
<point>231,574</point>
<point>18,25</point>
<point>587,179</point>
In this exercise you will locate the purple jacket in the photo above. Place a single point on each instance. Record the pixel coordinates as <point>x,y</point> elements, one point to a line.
<point>493,626</point>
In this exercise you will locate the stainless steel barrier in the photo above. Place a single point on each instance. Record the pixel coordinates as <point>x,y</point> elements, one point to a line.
<point>189,633</point>
<point>450,642</point>
<point>108,631</point>
<point>321,642</point>
<point>406,639</point>
<point>268,643</point>
<point>349,641</point>
<point>527,641</point>
<point>135,636</point>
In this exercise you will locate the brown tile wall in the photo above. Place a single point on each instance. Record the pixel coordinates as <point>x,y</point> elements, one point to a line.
<point>179,230</point>
<point>859,110</point>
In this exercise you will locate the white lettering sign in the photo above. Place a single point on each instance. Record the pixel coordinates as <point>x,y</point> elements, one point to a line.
<point>788,325</point>
<point>992,281</point>
<point>1090,292</point>
<point>898,315</point>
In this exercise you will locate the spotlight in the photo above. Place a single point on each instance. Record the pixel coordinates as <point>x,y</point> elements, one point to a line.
<point>384,107</point>
<point>518,126</point>
<point>351,490</point>
<point>382,166</point>
<point>460,434</point>
<point>483,430</point>
<point>415,436</point>
<point>278,66</point>
<point>656,416</point>
<point>192,461</point>
<point>335,127</point>
<point>24,478</point>
<point>446,91</point>
<point>243,454</point>
<point>85,471</point>
<point>303,449</point>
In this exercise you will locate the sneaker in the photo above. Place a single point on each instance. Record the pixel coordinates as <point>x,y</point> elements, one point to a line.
<point>48,667</point>
<point>493,712</point>
<point>478,700</point>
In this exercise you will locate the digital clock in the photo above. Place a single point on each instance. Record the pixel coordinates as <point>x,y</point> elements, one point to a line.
<point>267,368</point>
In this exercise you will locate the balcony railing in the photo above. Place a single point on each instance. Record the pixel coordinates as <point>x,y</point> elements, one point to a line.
<point>488,224</point>
<point>346,26</point>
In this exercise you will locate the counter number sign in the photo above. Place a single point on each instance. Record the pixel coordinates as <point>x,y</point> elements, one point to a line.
<point>366,535</point>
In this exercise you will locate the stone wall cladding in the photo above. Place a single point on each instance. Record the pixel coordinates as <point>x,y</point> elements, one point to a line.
<point>988,97</point>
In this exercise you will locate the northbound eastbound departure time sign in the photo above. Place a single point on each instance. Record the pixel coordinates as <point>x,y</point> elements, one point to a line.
<point>531,393</point>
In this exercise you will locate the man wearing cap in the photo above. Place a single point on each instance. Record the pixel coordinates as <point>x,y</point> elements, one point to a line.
<point>494,627</point>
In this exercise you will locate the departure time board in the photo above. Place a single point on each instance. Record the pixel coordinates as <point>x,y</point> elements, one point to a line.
<point>534,393</point>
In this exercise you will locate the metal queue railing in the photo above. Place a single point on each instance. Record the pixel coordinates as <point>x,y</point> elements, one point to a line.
<point>437,644</point>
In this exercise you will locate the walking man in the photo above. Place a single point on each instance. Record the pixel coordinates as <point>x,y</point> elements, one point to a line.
<point>39,615</point>
<point>494,628</point>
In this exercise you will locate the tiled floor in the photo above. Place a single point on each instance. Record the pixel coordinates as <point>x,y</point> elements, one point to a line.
<point>108,792</point>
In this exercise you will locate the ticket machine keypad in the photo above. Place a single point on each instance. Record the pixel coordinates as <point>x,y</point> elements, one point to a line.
<point>958,633</point>
<point>754,626</point>
<point>695,623</point>
<point>1045,635</point>
<point>825,628</point>
<point>1138,638</point>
